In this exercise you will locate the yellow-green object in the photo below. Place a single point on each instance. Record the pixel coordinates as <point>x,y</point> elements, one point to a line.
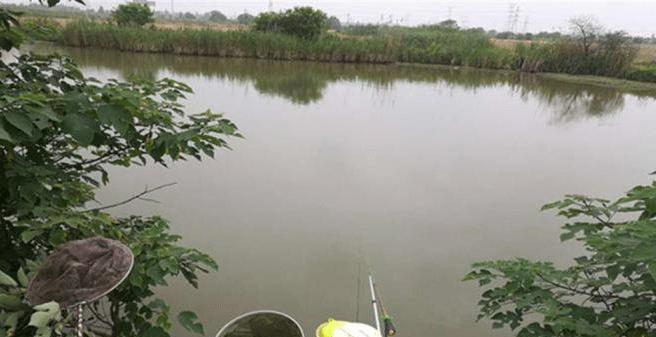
<point>334,328</point>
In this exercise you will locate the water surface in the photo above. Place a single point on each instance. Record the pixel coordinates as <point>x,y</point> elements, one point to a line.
<point>415,171</point>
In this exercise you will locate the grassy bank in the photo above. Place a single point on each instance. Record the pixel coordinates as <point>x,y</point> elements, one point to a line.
<point>206,42</point>
<point>424,45</point>
<point>440,48</point>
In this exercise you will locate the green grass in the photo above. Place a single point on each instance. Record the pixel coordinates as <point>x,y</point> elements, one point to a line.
<point>206,42</point>
<point>643,73</point>
<point>454,48</point>
<point>423,45</point>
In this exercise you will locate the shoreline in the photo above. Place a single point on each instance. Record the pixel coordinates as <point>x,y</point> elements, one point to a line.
<point>635,87</point>
<point>592,80</point>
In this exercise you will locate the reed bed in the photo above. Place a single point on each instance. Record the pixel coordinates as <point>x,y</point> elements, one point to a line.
<point>207,42</point>
<point>426,45</point>
<point>442,48</point>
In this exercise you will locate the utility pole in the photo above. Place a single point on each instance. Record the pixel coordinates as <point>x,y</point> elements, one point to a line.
<point>270,5</point>
<point>172,8</point>
<point>513,16</point>
<point>525,28</point>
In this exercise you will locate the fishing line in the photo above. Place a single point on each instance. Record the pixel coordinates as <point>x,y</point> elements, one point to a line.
<point>357,295</point>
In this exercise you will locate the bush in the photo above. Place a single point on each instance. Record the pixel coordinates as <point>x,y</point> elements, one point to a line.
<point>59,134</point>
<point>642,74</point>
<point>133,14</point>
<point>303,22</point>
<point>611,54</point>
<point>608,291</point>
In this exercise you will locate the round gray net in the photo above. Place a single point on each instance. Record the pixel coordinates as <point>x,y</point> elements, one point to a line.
<point>80,271</point>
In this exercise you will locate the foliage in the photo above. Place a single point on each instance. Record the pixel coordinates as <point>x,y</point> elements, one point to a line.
<point>216,16</point>
<point>611,55</point>
<point>188,16</point>
<point>449,24</point>
<point>237,43</point>
<point>609,291</point>
<point>41,320</point>
<point>245,18</point>
<point>40,28</point>
<point>642,73</point>
<point>588,50</point>
<point>133,14</point>
<point>58,133</point>
<point>304,22</point>
<point>367,29</point>
<point>9,36</point>
<point>334,23</point>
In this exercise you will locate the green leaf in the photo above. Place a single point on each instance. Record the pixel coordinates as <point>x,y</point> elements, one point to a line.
<point>81,127</point>
<point>566,236</point>
<point>189,321</point>
<point>4,135</point>
<point>652,270</point>
<point>22,277</point>
<point>44,314</point>
<point>20,121</point>
<point>115,116</point>
<point>28,235</point>
<point>11,320</point>
<point>155,331</point>
<point>7,280</point>
<point>10,302</point>
<point>45,111</point>
<point>43,332</point>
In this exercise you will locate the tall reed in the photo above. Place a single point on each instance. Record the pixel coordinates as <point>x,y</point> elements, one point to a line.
<point>612,56</point>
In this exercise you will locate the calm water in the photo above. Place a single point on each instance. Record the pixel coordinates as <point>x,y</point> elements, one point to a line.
<point>416,171</point>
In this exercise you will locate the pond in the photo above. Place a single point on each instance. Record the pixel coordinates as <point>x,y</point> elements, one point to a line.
<point>412,172</point>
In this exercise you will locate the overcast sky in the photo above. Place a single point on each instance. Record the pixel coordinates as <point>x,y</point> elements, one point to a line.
<point>634,16</point>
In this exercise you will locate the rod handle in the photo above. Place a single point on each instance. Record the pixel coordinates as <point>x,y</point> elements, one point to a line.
<point>390,329</point>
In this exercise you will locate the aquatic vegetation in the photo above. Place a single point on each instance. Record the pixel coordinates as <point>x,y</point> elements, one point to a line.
<point>612,54</point>
<point>205,42</point>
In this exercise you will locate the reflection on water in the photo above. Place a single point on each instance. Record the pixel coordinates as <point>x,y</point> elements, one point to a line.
<point>305,82</point>
<point>416,171</point>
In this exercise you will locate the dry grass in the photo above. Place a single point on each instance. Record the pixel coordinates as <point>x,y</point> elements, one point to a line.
<point>509,44</point>
<point>646,54</point>
<point>174,25</point>
<point>222,27</point>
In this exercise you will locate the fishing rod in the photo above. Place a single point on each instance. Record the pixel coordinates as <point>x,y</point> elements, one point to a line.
<point>377,301</point>
<point>390,329</point>
<point>374,303</point>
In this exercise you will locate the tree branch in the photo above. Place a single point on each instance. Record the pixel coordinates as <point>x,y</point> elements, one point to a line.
<point>132,198</point>
<point>575,290</point>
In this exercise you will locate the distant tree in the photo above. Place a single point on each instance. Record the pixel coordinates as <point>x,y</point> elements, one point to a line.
<point>451,24</point>
<point>245,18</point>
<point>585,30</point>
<point>216,16</point>
<point>188,16</point>
<point>334,23</point>
<point>304,22</point>
<point>133,14</point>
